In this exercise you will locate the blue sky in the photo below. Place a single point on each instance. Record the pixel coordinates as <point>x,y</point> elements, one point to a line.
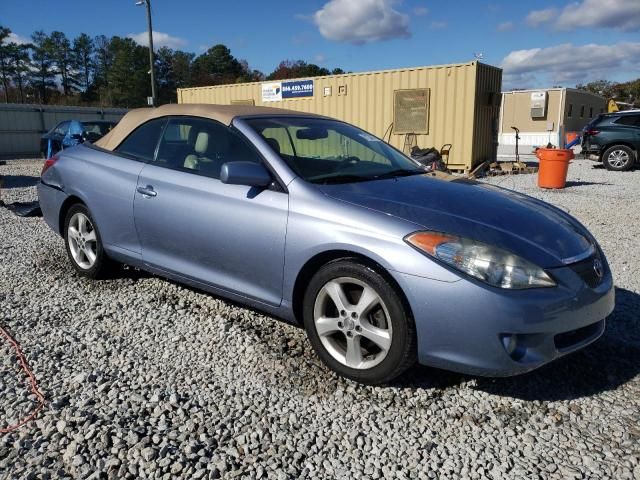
<point>538,43</point>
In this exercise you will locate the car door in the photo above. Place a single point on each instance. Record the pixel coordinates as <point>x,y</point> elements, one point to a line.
<point>108,181</point>
<point>634,123</point>
<point>230,237</point>
<point>627,129</point>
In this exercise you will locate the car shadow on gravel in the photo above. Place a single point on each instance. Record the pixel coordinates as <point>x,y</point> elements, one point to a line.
<point>19,181</point>
<point>420,376</point>
<point>610,362</point>
<point>578,183</point>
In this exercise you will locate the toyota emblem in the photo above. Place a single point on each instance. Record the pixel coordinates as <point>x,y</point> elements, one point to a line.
<point>597,267</point>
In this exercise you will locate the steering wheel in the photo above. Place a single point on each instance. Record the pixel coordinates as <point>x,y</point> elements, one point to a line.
<point>347,162</point>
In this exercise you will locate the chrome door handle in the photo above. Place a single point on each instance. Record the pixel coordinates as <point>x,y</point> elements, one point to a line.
<point>147,191</point>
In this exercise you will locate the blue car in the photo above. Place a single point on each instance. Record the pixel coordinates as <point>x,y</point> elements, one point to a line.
<point>323,225</point>
<point>72,132</point>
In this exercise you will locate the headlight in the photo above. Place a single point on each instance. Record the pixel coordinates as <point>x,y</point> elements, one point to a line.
<point>492,265</point>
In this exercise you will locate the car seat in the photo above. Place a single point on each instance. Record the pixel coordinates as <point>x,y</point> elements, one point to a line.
<point>196,160</point>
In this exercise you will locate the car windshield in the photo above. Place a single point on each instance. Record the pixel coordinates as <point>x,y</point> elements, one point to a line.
<point>328,151</point>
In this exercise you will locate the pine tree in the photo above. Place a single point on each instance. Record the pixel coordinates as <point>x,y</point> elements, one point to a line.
<point>21,66</point>
<point>43,73</point>
<point>128,77</point>
<point>6,62</point>
<point>83,50</point>
<point>172,72</point>
<point>103,62</point>
<point>216,66</point>
<point>64,60</point>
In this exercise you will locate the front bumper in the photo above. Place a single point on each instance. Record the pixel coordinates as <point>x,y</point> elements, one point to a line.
<point>471,328</point>
<point>592,152</point>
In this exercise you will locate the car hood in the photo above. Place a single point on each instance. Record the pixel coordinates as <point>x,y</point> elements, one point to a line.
<point>530,228</point>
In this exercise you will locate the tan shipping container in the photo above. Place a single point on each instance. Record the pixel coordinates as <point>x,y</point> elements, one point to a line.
<point>462,105</point>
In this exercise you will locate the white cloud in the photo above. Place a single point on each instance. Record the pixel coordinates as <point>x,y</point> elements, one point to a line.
<point>319,59</point>
<point>569,64</point>
<point>15,38</point>
<point>540,17</point>
<point>617,14</point>
<point>505,26</point>
<point>361,21</point>
<point>435,25</point>
<point>160,39</point>
<point>420,11</point>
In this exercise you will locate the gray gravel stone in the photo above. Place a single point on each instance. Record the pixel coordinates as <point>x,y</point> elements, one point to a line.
<point>149,379</point>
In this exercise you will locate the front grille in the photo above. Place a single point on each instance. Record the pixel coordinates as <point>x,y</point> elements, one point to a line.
<point>587,272</point>
<point>568,340</point>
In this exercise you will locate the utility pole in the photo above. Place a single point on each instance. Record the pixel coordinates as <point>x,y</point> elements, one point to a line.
<point>147,3</point>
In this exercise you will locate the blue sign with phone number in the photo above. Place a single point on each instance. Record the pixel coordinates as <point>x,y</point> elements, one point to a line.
<point>297,89</point>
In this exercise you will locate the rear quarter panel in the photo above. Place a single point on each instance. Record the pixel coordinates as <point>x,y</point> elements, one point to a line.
<point>106,183</point>
<point>51,199</point>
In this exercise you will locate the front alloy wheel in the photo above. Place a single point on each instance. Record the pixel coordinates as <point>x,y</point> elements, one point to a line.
<point>618,158</point>
<point>358,323</point>
<point>353,323</point>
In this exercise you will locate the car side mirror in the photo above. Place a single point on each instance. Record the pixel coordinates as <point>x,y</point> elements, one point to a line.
<point>251,174</point>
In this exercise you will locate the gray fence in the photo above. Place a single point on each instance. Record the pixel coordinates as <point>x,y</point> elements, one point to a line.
<point>21,125</point>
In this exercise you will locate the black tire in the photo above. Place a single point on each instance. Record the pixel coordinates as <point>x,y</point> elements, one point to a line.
<point>402,351</point>
<point>103,266</point>
<point>621,152</point>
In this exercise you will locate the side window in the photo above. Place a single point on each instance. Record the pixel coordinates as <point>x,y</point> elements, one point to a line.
<point>202,146</point>
<point>590,112</point>
<point>570,110</point>
<point>630,120</point>
<point>141,143</point>
<point>582,111</point>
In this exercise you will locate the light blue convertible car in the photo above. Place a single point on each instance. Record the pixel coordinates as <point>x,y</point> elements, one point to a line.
<point>324,225</point>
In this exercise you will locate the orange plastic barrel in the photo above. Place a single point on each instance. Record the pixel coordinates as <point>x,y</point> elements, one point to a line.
<point>554,165</point>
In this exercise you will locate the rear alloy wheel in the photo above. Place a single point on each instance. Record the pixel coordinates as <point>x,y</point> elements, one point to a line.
<point>618,158</point>
<point>84,245</point>
<point>357,323</point>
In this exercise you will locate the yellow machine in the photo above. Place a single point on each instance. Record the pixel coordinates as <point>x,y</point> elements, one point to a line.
<point>615,106</point>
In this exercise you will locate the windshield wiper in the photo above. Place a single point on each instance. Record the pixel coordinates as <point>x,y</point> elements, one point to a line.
<point>397,173</point>
<point>346,178</point>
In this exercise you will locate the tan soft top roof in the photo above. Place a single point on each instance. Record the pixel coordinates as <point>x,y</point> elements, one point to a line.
<point>221,113</point>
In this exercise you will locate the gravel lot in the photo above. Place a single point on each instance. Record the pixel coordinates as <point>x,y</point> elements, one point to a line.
<point>145,378</point>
